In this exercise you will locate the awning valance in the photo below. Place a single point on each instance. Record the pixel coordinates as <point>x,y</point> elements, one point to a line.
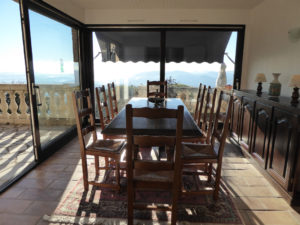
<point>188,46</point>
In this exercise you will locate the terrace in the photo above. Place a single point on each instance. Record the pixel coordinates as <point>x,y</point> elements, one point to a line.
<point>92,43</point>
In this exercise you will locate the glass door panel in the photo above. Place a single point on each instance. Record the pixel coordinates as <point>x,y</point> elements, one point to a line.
<point>197,56</point>
<point>127,58</point>
<point>16,148</point>
<point>56,74</point>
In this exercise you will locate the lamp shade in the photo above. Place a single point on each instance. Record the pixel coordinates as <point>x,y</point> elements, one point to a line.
<point>260,77</point>
<point>295,81</point>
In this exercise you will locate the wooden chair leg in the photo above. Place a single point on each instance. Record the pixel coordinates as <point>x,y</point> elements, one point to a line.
<point>130,204</point>
<point>85,172</point>
<point>176,192</point>
<point>217,182</point>
<point>97,165</point>
<point>118,173</point>
<point>106,162</point>
<point>209,168</point>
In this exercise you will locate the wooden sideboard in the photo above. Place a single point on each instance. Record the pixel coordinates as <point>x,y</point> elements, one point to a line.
<point>268,128</point>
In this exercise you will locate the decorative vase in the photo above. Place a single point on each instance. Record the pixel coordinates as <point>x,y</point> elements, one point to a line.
<point>275,85</point>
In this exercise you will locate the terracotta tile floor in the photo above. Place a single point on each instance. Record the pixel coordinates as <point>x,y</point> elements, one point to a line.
<point>16,151</point>
<point>40,191</point>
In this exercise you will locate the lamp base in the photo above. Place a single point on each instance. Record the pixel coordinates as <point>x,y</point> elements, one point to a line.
<point>295,96</point>
<point>259,89</point>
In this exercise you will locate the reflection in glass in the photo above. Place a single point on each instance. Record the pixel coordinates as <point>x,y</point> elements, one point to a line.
<point>56,71</point>
<point>128,59</point>
<point>194,57</point>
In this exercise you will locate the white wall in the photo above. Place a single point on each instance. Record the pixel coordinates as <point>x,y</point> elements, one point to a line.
<point>166,16</point>
<point>268,48</point>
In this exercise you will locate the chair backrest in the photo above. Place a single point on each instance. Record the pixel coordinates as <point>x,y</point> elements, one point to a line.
<point>161,89</point>
<point>112,99</point>
<point>134,140</point>
<point>199,104</point>
<point>226,100</point>
<point>81,98</point>
<point>102,106</point>
<point>208,112</point>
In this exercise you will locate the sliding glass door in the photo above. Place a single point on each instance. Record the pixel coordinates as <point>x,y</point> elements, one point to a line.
<point>56,75</point>
<point>16,142</point>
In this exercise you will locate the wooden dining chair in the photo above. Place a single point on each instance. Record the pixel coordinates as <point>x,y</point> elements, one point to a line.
<point>153,174</point>
<point>98,148</point>
<point>113,103</point>
<point>159,85</point>
<point>194,154</point>
<point>104,115</point>
<point>101,99</point>
<point>208,114</point>
<point>198,115</point>
<point>199,104</point>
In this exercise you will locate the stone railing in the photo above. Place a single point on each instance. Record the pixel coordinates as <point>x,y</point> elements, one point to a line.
<point>14,104</point>
<point>56,108</point>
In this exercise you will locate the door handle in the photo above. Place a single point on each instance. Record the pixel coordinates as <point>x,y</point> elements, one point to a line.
<point>36,90</point>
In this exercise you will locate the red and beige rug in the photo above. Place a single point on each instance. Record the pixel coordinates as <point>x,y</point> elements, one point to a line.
<point>102,206</point>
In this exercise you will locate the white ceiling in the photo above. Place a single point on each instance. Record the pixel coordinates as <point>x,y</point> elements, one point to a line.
<point>165,4</point>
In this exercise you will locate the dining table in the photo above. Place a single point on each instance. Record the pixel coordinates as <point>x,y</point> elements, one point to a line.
<point>144,126</point>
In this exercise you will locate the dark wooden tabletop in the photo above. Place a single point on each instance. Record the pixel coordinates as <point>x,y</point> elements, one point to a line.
<point>153,126</point>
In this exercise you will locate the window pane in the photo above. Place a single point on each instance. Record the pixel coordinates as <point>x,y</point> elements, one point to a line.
<point>194,57</point>
<point>56,71</point>
<point>127,58</point>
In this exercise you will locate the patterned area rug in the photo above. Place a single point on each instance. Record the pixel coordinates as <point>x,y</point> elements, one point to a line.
<point>103,206</point>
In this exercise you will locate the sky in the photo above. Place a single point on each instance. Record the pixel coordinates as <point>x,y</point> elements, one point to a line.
<point>51,42</point>
<point>53,51</point>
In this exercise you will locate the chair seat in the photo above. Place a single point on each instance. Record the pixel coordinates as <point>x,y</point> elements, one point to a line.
<point>198,151</point>
<point>153,176</point>
<point>112,146</point>
<point>195,139</point>
<point>122,137</point>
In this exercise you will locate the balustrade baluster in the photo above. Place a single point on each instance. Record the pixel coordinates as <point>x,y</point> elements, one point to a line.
<point>62,105</point>
<point>23,116</point>
<point>43,108</point>
<point>54,104</point>
<point>13,105</point>
<point>3,108</point>
<point>70,113</point>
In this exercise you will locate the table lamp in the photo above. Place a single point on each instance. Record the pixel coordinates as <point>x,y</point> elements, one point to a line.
<point>260,77</point>
<point>295,83</point>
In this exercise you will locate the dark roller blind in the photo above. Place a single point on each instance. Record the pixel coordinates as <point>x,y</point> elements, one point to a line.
<point>188,46</point>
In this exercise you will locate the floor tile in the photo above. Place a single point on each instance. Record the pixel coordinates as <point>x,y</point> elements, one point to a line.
<point>37,194</point>
<point>261,203</point>
<point>246,181</point>
<point>38,208</point>
<point>14,219</point>
<point>270,218</point>
<point>243,191</point>
<point>13,205</point>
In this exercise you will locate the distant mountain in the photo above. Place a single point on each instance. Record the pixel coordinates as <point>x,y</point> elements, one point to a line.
<point>179,77</point>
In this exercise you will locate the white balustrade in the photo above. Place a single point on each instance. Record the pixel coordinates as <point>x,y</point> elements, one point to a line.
<point>56,108</point>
